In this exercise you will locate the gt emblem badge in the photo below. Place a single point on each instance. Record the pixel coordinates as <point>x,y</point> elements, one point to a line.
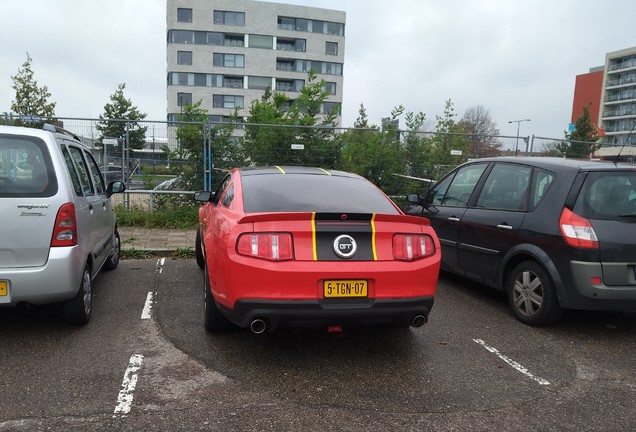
<point>345,246</point>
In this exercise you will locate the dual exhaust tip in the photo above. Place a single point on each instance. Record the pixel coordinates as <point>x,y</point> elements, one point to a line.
<point>260,325</point>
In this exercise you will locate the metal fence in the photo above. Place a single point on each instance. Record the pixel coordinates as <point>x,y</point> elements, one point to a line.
<point>152,167</point>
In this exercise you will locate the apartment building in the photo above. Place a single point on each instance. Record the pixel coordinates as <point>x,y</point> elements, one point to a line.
<point>227,52</point>
<point>610,92</point>
<point>618,114</point>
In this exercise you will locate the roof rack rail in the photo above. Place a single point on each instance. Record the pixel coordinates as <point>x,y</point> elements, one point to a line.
<point>52,128</point>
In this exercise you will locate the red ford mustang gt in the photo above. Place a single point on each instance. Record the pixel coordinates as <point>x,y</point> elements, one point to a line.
<point>299,246</point>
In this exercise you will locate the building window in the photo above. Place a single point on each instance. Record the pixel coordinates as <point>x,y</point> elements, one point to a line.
<point>314,26</point>
<point>285,65</point>
<point>232,82</point>
<point>184,99</point>
<point>259,83</point>
<point>283,44</point>
<point>331,48</point>
<point>184,57</point>
<point>261,41</point>
<point>330,87</point>
<point>227,101</point>
<point>181,36</point>
<point>289,85</point>
<point>228,60</point>
<point>184,15</point>
<point>234,40</point>
<point>229,18</point>
<point>328,107</point>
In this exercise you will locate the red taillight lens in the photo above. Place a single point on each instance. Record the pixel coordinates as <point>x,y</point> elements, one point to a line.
<point>411,247</point>
<point>269,246</point>
<point>65,230</point>
<point>577,230</point>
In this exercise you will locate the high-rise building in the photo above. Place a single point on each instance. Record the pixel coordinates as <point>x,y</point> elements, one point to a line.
<point>227,52</point>
<point>610,92</point>
<point>618,115</point>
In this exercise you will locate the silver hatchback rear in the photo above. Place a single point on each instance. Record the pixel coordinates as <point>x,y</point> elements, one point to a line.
<point>57,226</point>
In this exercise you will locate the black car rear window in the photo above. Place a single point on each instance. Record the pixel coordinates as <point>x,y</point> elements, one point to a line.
<point>607,195</point>
<point>312,193</point>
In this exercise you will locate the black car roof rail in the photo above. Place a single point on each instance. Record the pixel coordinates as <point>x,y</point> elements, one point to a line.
<point>52,128</point>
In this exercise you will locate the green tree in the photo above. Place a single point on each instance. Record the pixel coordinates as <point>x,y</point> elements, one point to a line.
<point>376,155</point>
<point>447,138</point>
<point>119,116</point>
<point>300,121</point>
<point>30,98</point>
<point>582,140</point>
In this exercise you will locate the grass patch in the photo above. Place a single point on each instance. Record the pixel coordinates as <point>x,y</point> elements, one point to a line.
<point>134,254</point>
<point>184,253</point>
<point>186,217</point>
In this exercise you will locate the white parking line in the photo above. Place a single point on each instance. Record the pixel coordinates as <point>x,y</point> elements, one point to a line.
<point>145,313</point>
<point>512,363</point>
<point>125,398</point>
<point>160,263</point>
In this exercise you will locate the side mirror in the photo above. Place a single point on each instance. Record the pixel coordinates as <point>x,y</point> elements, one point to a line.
<point>413,198</point>
<point>115,187</point>
<point>203,196</point>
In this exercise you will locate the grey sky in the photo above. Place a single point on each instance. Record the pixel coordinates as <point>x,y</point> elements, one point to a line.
<point>517,59</point>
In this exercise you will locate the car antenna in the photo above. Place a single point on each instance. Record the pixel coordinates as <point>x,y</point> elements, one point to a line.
<point>624,143</point>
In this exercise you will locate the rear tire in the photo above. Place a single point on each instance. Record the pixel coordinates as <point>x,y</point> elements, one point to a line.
<point>214,319</point>
<point>198,250</point>
<point>112,261</point>
<point>531,295</point>
<point>77,311</point>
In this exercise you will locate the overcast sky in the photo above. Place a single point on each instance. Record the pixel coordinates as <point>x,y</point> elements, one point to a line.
<point>518,59</point>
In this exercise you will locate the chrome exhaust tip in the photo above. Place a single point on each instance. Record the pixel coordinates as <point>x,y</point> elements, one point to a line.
<point>258,326</point>
<point>418,321</point>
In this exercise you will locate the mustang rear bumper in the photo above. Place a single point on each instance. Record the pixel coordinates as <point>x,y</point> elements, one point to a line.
<point>319,313</point>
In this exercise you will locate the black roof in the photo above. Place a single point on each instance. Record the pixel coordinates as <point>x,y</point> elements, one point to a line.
<point>556,163</point>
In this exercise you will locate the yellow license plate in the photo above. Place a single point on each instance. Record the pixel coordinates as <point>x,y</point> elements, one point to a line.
<point>3,288</point>
<point>345,288</point>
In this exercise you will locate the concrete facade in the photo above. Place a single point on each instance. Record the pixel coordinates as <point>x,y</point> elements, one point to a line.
<point>225,52</point>
<point>618,114</point>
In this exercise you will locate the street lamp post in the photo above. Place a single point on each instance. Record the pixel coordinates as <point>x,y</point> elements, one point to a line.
<point>518,124</point>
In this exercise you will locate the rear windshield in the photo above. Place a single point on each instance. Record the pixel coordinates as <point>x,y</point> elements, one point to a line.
<point>26,169</point>
<point>607,195</point>
<point>312,193</point>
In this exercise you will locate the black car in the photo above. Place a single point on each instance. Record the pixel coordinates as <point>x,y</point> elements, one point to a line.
<point>552,233</point>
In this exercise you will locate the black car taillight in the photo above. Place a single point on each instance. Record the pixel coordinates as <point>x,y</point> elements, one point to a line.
<point>577,230</point>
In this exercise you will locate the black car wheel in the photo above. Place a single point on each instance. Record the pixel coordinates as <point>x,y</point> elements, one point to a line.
<point>214,319</point>
<point>198,251</point>
<point>113,259</point>
<point>532,296</point>
<point>77,311</point>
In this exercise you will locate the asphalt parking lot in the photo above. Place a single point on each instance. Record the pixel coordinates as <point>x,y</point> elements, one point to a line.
<point>144,362</point>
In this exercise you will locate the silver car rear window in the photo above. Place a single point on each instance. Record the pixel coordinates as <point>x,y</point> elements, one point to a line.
<point>26,169</point>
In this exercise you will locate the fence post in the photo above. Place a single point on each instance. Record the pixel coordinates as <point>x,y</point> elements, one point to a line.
<point>151,205</point>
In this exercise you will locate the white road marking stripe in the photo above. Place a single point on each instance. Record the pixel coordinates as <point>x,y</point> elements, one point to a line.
<point>145,314</point>
<point>512,363</point>
<point>160,264</point>
<point>125,398</point>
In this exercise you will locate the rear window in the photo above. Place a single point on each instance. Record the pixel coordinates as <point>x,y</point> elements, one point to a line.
<point>26,169</point>
<point>312,193</point>
<point>607,195</point>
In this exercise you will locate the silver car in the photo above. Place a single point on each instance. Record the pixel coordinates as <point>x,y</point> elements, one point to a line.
<point>57,228</point>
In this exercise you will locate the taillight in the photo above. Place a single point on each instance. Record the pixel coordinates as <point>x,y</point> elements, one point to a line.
<point>269,246</point>
<point>65,230</point>
<point>411,247</point>
<point>577,230</point>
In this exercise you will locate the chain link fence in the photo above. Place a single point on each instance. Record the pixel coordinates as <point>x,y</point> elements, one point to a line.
<point>153,159</point>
